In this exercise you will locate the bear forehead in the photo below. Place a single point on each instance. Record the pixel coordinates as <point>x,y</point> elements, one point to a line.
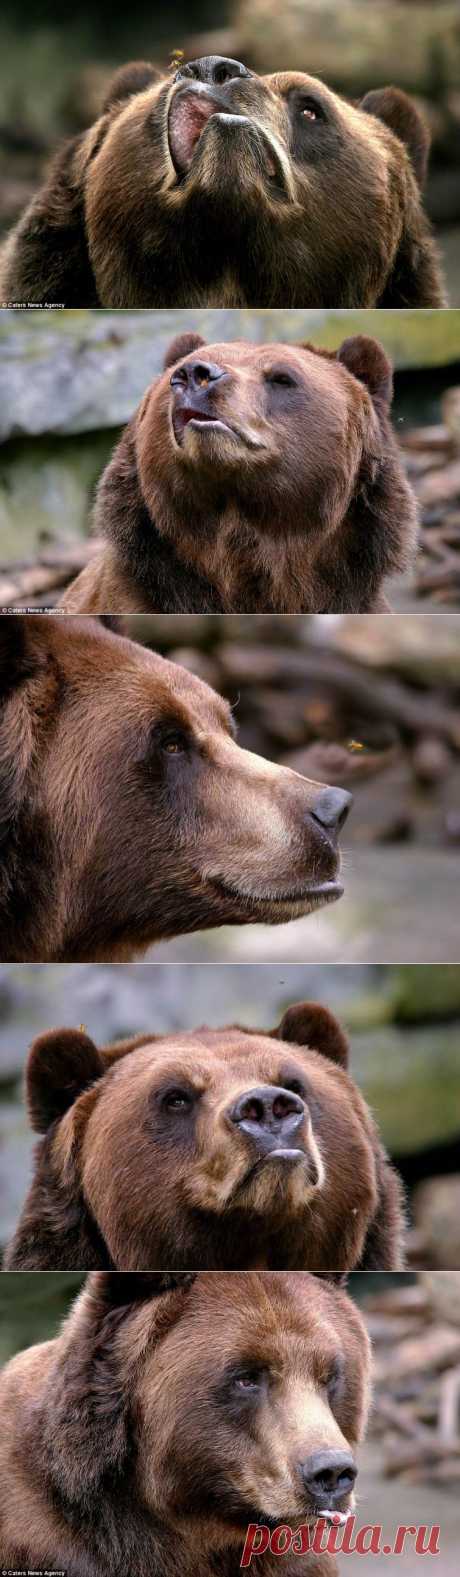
<point>271,1308</point>
<point>88,653</point>
<point>285,82</point>
<point>242,351</point>
<point>215,1056</point>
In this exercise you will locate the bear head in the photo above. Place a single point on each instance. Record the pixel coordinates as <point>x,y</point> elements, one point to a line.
<point>210,1149</point>
<point>129,810</point>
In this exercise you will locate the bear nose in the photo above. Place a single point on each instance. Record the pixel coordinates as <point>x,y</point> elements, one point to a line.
<point>328,1476</point>
<point>331,808</point>
<point>196,375</point>
<point>268,1114</point>
<point>213,68</point>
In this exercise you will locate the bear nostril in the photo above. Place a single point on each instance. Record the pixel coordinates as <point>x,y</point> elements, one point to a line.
<point>331,808</point>
<point>203,372</point>
<point>227,70</point>
<point>253,1111</point>
<point>179,378</point>
<point>283,1105</point>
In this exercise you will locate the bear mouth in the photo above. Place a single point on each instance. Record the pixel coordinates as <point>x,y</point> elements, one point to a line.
<point>300,899</point>
<point>295,1520</point>
<point>207,425</point>
<point>186,416</point>
<point>191,110</point>
<point>285,1158</point>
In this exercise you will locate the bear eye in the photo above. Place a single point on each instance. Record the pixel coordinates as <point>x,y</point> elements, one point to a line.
<point>249,1380</point>
<point>173,741</point>
<point>284,379</point>
<point>311,110</point>
<point>177,1100</point>
<point>334,1379</point>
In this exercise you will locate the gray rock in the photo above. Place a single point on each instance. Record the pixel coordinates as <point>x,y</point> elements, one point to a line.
<point>73,372</point>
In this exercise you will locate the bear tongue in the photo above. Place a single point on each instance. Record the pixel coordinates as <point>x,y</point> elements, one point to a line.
<point>340,1517</point>
<point>189,114</point>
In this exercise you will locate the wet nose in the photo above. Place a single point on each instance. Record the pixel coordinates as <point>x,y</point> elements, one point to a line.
<point>213,68</point>
<point>328,1476</point>
<point>268,1114</point>
<point>196,375</point>
<point>331,808</point>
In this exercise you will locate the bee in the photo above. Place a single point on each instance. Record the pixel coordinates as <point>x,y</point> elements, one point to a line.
<point>177,57</point>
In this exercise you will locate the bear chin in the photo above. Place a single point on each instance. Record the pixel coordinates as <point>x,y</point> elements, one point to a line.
<point>283,1180</point>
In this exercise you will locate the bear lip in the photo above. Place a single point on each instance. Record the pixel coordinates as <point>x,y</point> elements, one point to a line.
<point>186,415</point>
<point>310,1516</point>
<point>183,415</point>
<point>316,895</point>
<point>334,1516</point>
<point>291,1154</point>
<point>189,113</point>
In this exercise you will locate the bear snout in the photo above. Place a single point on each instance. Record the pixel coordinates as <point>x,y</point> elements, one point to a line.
<point>215,69</point>
<point>271,1118</point>
<point>194,394</point>
<point>244,144</point>
<point>332,808</point>
<point>328,1477</point>
<point>194,387</point>
<point>197,375</point>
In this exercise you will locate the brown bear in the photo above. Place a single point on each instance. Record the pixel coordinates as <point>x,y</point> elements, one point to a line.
<point>240,1150</point>
<point>172,1412</point>
<point>128,812</point>
<point>254,479</point>
<point>213,186</point>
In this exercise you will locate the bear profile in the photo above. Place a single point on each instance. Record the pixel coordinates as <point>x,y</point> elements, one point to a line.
<point>172,1412</point>
<point>128,812</point>
<point>254,478</point>
<point>213,186</point>
<point>240,1150</point>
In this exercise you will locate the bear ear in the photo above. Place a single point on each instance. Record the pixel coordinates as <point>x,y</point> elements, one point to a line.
<point>135,78</point>
<point>61,1064</point>
<point>367,360</point>
<point>402,116</point>
<point>182,346</point>
<point>113,1289</point>
<point>17,659</point>
<point>309,1024</point>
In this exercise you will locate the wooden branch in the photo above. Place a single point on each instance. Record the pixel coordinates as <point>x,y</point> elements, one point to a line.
<point>22,582</point>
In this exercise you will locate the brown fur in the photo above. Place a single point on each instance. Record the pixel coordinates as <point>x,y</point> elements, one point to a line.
<point>291,198</point>
<point>195,1190</point>
<point>127,810</point>
<point>128,1443</point>
<point>295,502</point>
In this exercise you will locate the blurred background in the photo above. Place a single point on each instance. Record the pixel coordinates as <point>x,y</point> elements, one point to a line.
<point>70,380</point>
<point>53,86</point>
<point>410,1463</point>
<point>404,1025</point>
